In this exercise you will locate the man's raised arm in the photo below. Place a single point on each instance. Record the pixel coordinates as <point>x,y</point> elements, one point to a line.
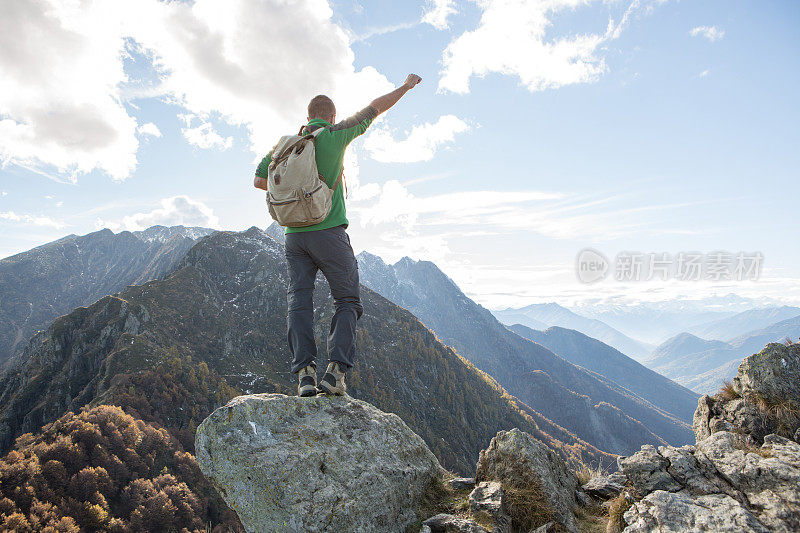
<point>383,103</point>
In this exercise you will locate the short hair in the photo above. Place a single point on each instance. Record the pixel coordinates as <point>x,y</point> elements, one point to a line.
<point>321,107</point>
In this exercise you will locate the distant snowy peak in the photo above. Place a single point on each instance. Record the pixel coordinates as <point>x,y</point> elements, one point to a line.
<point>165,233</point>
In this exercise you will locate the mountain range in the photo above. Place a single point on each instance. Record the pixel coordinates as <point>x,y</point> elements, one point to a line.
<point>48,281</point>
<point>592,406</point>
<point>172,349</point>
<point>739,324</point>
<point>703,365</point>
<point>609,362</point>
<point>542,316</point>
<point>654,322</point>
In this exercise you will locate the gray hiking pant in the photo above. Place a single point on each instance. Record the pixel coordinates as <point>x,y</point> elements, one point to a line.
<point>328,250</point>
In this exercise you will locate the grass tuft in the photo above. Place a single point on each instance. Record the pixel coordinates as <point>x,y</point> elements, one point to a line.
<point>439,497</point>
<point>727,392</point>
<point>527,505</point>
<point>587,472</point>
<point>616,512</point>
<point>591,520</point>
<point>743,443</point>
<point>785,412</point>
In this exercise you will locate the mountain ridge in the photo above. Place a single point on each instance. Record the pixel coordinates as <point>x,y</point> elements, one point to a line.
<point>566,394</point>
<point>223,307</point>
<point>597,356</point>
<point>553,314</point>
<point>45,282</point>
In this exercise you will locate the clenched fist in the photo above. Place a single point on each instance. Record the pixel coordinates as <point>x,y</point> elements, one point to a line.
<point>412,80</point>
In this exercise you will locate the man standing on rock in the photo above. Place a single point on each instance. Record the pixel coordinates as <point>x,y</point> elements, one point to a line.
<point>326,246</point>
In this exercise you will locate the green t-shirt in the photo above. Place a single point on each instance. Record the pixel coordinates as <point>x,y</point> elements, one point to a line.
<point>329,149</point>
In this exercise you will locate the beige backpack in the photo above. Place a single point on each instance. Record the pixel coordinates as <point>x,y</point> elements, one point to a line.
<point>297,194</point>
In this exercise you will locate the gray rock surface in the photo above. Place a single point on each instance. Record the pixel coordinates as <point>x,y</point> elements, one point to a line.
<point>545,528</point>
<point>667,512</point>
<point>487,497</point>
<point>605,487</point>
<point>771,376</point>
<point>739,476</point>
<point>447,523</point>
<point>714,414</point>
<point>757,489</point>
<point>647,471</point>
<point>772,373</point>
<point>459,483</point>
<point>314,464</point>
<point>517,459</point>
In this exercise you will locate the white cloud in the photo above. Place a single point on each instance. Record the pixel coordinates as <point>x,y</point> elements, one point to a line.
<point>204,135</point>
<point>61,65</point>
<point>174,211</point>
<point>510,40</point>
<point>61,106</point>
<point>420,145</point>
<point>704,73</point>
<point>437,12</point>
<point>149,129</point>
<point>397,205</point>
<point>712,33</point>
<point>36,220</point>
<point>383,30</point>
<point>215,58</point>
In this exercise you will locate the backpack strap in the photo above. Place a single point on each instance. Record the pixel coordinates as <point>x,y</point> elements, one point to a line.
<point>288,150</point>
<point>338,179</point>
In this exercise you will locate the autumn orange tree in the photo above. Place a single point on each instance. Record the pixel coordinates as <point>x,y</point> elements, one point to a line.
<point>104,470</point>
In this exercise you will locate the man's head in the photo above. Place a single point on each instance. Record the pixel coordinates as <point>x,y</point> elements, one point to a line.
<point>322,107</point>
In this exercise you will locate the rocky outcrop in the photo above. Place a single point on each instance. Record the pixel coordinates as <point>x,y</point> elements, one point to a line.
<point>525,466</point>
<point>315,464</point>
<point>764,398</point>
<point>743,474</point>
<point>717,414</point>
<point>605,487</point>
<point>758,487</point>
<point>774,373</point>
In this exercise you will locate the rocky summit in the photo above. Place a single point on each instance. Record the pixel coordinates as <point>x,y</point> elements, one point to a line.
<point>742,475</point>
<point>315,464</point>
<point>341,465</point>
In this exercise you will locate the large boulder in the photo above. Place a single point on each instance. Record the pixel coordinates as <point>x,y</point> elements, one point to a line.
<point>315,464</point>
<point>753,488</point>
<point>764,398</point>
<point>605,486</point>
<point>773,373</point>
<point>533,472</point>
<point>718,414</point>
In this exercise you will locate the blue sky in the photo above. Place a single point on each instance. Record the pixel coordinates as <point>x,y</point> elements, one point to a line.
<point>540,129</point>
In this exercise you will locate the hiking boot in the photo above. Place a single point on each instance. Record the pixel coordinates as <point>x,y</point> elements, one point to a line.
<point>307,385</point>
<point>333,381</point>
